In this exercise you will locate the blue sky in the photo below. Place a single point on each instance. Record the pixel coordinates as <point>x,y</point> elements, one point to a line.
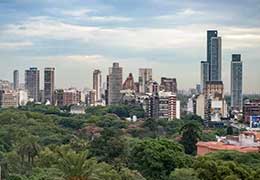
<point>78,36</point>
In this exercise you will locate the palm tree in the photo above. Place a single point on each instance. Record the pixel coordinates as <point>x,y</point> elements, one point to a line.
<point>76,166</point>
<point>28,148</point>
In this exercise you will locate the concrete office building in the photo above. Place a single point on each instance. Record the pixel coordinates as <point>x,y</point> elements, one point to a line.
<point>236,82</point>
<point>49,85</point>
<point>216,59</point>
<point>145,76</point>
<point>32,83</point>
<point>16,80</point>
<point>115,79</point>
<point>97,83</point>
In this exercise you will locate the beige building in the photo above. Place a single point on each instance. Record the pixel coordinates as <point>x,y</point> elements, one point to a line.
<point>8,99</point>
<point>200,106</point>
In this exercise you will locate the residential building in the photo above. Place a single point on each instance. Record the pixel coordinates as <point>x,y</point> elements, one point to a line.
<point>251,108</point>
<point>97,83</point>
<point>168,85</point>
<point>32,83</point>
<point>65,97</point>
<point>115,84</point>
<point>16,80</point>
<point>49,85</point>
<point>167,105</point>
<point>145,76</point>
<point>8,98</point>
<point>236,82</point>
<point>90,98</point>
<point>129,83</point>
<point>22,97</point>
<point>215,104</point>
<point>5,85</point>
<point>152,87</point>
<point>200,106</point>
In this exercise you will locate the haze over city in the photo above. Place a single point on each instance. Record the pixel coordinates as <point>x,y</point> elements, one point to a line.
<point>77,37</point>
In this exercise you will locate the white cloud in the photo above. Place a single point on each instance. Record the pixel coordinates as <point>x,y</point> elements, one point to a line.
<point>184,13</point>
<point>186,36</point>
<point>108,18</point>
<point>76,13</point>
<point>12,45</point>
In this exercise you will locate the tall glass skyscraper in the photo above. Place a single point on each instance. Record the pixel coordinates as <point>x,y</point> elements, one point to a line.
<point>210,35</point>
<point>216,59</point>
<point>236,82</point>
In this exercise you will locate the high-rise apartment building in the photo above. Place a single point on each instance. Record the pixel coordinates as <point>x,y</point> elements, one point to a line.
<point>32,83</point>
<point>49,84</point>
<point>204,74</point>
<point>216,59</point>
<point>236,82</point>
<point>145,76</point>
<point>129,83</point>
<point>115,84</point>
<point>8,98</point>
<point>210,35</point>
<point>16,80</point>
<point>168,85</point>
<point>65,97</point>
<point>97,83</point>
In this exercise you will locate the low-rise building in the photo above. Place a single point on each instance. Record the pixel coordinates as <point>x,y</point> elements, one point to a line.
<point>251,108</point>
<point>77,109</point>
<point>248,141</point>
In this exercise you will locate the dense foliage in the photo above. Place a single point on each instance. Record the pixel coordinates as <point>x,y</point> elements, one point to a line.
<point>47,143</point>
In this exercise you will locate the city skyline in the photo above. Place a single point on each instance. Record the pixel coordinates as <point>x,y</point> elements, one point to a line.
<point>78,37</point>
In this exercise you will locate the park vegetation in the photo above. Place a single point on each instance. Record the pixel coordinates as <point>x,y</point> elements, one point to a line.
<point>40,142</point>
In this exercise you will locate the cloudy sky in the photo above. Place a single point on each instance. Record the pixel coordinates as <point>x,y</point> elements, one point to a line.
<point>77,36</point>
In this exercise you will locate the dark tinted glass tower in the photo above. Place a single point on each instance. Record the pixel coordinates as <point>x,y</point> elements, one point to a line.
<point>236,82</point>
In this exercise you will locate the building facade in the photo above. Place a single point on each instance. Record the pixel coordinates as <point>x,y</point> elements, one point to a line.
<point>65,97</point>
<point>236,82</point>
<point>216,59</point>
<point>204,76</point>
<point>115,84</point>
<point>16,80</point>
<point>49,85</point>
<point>251,108</point>
<point>97,83</point>
<point>145,76</point>
<point>8,98</point>
<point>210,35</point>
<point>32,83</point>
<point>129,83</point>
<point>168,85</point>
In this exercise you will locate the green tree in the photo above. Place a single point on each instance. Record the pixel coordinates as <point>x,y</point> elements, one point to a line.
<point>184,174</point>
<point>157,158</point>
<point>190,135</point>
